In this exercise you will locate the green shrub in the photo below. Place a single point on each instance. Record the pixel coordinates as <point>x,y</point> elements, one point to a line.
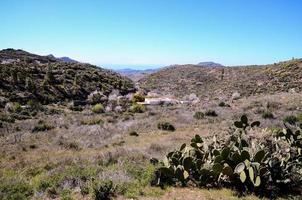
<point>291,119</point>
<point>104,190</point>
<point>267,115</point>
<point>16,108</point>
<point>15,189</point>
<point>211,113</point>
<point>98,108</point>
<point>166,126</point>
<point>137,108</point>
<point>198,115</point>
<point>138,98</point>
<point>42,126</point>
<point>299,117</point>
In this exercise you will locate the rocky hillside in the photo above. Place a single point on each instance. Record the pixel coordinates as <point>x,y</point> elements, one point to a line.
<point>222,82</point>
<point>25,76</point>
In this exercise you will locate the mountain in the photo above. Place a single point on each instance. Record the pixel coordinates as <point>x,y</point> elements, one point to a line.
<point>209,64</point>
<point>222,82</point>
<point>135,74</point>
<point>67,59</point>
<point>25,76</point>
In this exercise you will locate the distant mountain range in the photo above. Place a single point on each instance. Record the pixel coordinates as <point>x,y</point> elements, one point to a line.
<point>129,71</point>
<point>209,64</point>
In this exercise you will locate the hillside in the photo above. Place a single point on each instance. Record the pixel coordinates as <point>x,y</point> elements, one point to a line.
<point>213,82</point>
<point>25,76</point>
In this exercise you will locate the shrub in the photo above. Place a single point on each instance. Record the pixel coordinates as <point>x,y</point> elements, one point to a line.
<point>243,163</point>
<point>198,115</point>
<point>299,117</point>
<point>291,119</point>
<point>211,113</point>
<point>98,108</point>
<point>133,133</point>
<point>42,126</point>
<point>166,126</point>
<point>13,189</point>
<point>138,98</point>
<point>267,115</point>
<point>222,104</point>
<point>137,108</point>
<point>104,190</point>
<point>92,121</point>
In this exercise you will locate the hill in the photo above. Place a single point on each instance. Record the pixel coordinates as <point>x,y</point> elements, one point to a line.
<point>213,82</point>
<point>25,76</point>
<point>209,64</point>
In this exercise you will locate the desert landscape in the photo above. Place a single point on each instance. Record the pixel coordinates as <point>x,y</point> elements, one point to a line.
<point>150,100</point>
<point>61,135</point>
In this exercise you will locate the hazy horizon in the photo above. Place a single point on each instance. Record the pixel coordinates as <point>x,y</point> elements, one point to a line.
<point>149,34</point>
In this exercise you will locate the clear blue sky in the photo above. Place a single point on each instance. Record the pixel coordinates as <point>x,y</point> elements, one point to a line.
<point>155,32</point>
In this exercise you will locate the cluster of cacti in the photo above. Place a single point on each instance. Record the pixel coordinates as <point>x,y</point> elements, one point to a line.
<point>240,162</point>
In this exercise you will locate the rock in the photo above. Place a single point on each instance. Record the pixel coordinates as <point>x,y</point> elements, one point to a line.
<point>118,109</point>
<point>236,95</point>
<point>152,94</point>
<point>292,90</point>
<point>108,108</point>
<point>9,107</point>
<point>192,98</point>
<point>3,102</point>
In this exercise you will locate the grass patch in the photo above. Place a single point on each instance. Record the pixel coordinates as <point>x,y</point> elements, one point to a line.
<point>42,126</point>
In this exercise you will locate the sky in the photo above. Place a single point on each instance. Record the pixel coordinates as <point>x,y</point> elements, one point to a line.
<point>152,33</point>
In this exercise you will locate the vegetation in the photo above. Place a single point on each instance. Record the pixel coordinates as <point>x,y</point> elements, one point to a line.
<point>198,115</point>
<point>291,119</point>
<point>265,170</point>
<point>42,126</point>
<point>137,97</point>
<point>137,108</point>
<point>104,190</point>
<point>267,115</point>
<point>165,126</point>
<point>98,108</point>
<point>133,133</point>
<point>211,113</point>
<point>54,81</point>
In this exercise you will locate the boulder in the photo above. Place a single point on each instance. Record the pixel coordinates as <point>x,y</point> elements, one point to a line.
<point>236,95</point>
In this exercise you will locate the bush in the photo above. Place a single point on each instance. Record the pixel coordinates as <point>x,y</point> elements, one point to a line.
<point>166,126</point>
<point>222,104</point>
<point>198,115</point>
<point>104,190</point>
<point>42,126</point>
<point>13,189</point>
<point>138,98</point>
<point>98,108</point>
<point>133,133</point>
<point>137,108</point>
<point>267,115</point>
<point>291,119</point>
<point>211,113</point>
<point>299,117</point>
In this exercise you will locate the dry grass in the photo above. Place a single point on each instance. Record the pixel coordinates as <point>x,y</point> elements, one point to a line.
<point>110,150</point>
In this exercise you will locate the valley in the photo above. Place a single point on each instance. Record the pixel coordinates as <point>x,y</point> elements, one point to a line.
<point>66,127</point>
